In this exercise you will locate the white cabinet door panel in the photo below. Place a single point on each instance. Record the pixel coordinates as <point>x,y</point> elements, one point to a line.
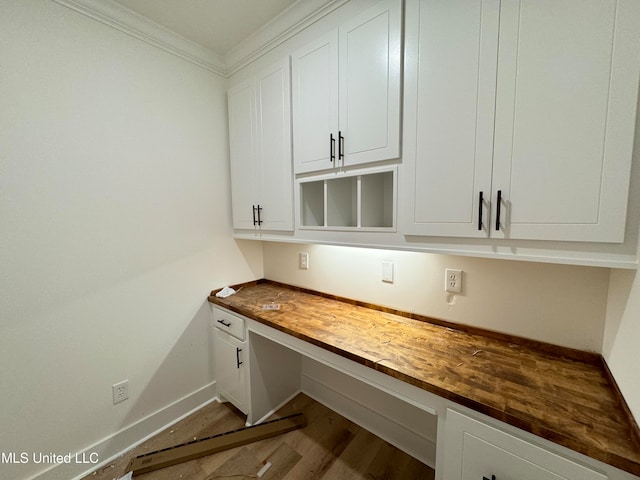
<point>230,369</point>
<point>558,116</point>
<point>451,48</point>
<point>481,458</point>
<point>315,103</point>
<point>274,141</point>
<point>346,92</point>
<point>547,123</point>
<point>260,150</point>
<point>476,450</point>
<point>242,143</point>
<point>370,73</point>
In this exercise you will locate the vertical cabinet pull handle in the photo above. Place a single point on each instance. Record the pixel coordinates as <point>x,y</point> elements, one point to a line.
<point>498,211</point>
<point>340,146</point>
<point>480,211</point>
<point>332,148</point>
<point>258,220</point>
<point>238,362</point>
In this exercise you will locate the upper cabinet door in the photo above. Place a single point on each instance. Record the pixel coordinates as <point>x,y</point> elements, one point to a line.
<point>529,103</point>
<point>315,104</point>
<point>260,150</point>
<point>346,92</point>
<point>451,51</point>
<point>568,75</point>
<point>243,158</point>
<point>370,76</point>
<point>274,147</point>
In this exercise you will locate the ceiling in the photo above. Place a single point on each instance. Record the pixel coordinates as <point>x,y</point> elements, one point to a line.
<point>218,25</point>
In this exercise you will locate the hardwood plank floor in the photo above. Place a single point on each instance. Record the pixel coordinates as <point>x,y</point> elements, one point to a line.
<point>330,447</point>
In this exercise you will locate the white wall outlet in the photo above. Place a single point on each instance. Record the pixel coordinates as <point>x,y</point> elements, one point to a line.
<point>387,272</point>
<point>303,260</point>
<point>120,391</point>
<point>452,280</point>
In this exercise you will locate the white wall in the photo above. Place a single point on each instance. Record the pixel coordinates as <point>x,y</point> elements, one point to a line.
<point>115,224</point>
<point>115,221</point>
<point>560,304</point>
<point>622,334</point>
<point>622,326</point>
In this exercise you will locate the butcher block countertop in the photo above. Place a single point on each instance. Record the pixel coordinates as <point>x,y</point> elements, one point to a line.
<point>563,395</point>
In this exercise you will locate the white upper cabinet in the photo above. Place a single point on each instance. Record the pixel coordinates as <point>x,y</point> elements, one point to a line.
<point>274,141</point>
<point>532,101</point>
<point>450,70</point>
<point>370,64</point>
<point>242,125</point>
<point>346,92</point>
<point>260,148</point>
<point>565,111</point>
<point>315,104</point>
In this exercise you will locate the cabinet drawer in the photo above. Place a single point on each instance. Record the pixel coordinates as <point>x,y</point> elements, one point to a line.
<point>475,450</point>
<point>228,322</point>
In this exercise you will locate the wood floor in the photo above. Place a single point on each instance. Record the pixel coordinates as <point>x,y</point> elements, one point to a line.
<point>330,447</point>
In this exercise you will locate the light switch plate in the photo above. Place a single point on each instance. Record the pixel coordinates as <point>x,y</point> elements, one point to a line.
<point>387,272</point>
<point>303,261</point>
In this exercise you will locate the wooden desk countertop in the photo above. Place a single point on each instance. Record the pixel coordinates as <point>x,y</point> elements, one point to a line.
<point>562,395</point>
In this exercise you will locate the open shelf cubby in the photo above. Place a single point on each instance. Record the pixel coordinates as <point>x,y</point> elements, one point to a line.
<point>349,201</point>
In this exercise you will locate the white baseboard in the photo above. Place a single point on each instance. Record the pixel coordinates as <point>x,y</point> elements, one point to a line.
<point>130,436</point>
<point>420,445</point>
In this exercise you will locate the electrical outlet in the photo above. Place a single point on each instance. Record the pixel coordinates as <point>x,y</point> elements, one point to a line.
<point>120,391</point>
<point>304,261</point>
<point>452,280</point>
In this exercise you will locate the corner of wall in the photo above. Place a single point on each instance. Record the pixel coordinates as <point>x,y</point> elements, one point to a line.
<point>622,335</point>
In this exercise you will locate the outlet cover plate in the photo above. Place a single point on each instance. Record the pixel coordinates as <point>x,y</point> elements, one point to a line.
<point>452,280</point>
<point>120,391</point>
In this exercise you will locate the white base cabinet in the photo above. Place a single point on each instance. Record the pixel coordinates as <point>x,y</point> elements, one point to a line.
<point>231,378</point>
<point>477,451</point>
<point>230,358</point>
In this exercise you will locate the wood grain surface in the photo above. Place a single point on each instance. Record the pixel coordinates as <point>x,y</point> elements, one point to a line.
<point>563,396</point>
<point>330,447</point>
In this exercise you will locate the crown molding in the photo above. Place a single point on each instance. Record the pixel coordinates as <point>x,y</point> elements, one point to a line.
<point>131,23</point>
<point>290,22</point>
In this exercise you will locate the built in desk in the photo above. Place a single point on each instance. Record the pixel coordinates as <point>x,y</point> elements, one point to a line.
<point>562,395</point>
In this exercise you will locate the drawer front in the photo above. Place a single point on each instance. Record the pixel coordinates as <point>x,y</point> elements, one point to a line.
<point>475,450</point>
<point>228,322</point>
